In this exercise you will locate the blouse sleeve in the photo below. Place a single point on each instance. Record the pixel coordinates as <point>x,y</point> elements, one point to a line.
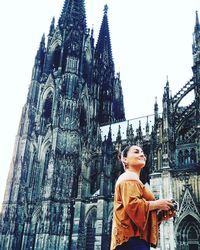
<point>134,204</point>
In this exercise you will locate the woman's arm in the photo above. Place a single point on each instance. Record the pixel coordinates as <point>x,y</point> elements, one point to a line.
<point>133,202</point>
<point>164,207</point>
<point>161,204</point>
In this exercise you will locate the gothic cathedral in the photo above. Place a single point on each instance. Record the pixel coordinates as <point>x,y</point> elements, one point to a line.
<point>59,192</point>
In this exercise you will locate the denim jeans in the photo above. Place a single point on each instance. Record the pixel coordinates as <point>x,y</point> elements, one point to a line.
<point>134,244</point>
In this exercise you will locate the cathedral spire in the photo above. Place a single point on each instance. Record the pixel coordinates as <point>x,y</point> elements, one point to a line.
<point>103,47</point>
<point>42,46</point>
<point>73,14</point>
<point>166,91</point>
<point>51,31</point>
<point>196,39</point>
<point>39,59</point>
<point>119,137</point>
<point>52,27</point>
<point>197,26</point>
<point>147,126</point>
<point>156,109</point>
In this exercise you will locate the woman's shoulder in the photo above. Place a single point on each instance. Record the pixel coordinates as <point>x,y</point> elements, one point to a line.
<point>128,176</point>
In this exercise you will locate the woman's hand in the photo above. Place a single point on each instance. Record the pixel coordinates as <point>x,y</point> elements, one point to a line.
<point>165,209</point>
<point>161,204</point>
<point>166,215</point>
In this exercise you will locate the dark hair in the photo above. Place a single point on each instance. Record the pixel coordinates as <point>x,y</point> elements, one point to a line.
<point>124,154</point>
<point>125,151</point>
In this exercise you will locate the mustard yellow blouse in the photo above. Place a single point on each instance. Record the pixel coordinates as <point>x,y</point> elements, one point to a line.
<point>131,215</point>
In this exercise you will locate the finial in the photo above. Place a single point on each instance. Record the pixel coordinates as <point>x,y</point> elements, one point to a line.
<point>53,21</point>
<point>196,14</point>
<point>156,108</point>
<point>167,83</point>
<point>105,9</point>
<point>197,20</point>
<point>43,37</point>
<point>109,134</point>
<point>92,32</point>
<point>147,125</point>
<point>110,129</point>
<point>42,42</point>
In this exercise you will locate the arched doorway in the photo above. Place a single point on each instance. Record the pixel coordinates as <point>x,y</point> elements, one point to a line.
<point>90,229</point>
<point>188,234</point>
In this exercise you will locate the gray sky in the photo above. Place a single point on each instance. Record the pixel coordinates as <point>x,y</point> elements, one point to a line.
<point>151,39</point>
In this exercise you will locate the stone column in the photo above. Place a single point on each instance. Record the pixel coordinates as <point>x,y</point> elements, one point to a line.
<point>167,227</point>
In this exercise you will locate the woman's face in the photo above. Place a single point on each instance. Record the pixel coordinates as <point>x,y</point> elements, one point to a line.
<point>135,157</point>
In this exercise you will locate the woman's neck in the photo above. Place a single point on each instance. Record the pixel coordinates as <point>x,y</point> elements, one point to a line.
<point>136,171</point>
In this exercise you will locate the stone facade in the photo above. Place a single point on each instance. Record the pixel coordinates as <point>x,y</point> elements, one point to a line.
<point>59,192</point>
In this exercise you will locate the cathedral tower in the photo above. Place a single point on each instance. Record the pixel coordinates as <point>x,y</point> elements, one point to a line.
<point>175,158</point>
<point>59,136</point>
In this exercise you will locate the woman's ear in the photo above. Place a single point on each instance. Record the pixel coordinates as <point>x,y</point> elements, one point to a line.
<point>125,161</point>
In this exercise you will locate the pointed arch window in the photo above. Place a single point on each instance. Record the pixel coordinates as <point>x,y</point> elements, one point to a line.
<point>95,178</point>
<point>56,58</point>
<point>180,158</point>
<point>47,108</point>
<point>186,157</point>
<point>90,229</point>
<point>83,120</point>
<point>46,163</point>
<point>193,158</point>
<point>188,232</point>
<point>193,239</point>
<point>33,170</point>
<point>70,86</point>
<point>192,234</point>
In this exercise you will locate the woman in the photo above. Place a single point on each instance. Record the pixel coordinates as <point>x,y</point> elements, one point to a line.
<point>135,223</point>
